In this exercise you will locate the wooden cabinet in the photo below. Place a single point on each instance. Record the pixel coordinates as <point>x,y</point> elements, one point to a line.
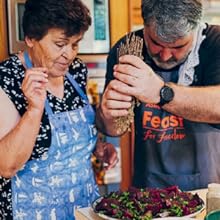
<point>135,14</point>
<point>119,19</point>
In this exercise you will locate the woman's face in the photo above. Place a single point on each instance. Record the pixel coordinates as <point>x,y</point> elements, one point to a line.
<point>55,51</point>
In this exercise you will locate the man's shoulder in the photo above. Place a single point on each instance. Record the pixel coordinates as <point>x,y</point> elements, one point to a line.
<point>212,29</point>
<point>212,35</point>
<point>210,46</point>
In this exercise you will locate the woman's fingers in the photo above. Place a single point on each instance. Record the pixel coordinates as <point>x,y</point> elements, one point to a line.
<point>35,78</point>
<point>106,153</point>
<point>34,86</point>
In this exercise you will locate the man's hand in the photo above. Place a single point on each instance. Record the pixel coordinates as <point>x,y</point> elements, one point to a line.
<point>138,79</point>
<point>115,103</point>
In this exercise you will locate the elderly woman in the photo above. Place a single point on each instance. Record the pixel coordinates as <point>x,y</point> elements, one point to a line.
<point>47,131</point>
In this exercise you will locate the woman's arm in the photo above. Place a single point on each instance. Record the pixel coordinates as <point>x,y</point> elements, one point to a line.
<point>17,136</point>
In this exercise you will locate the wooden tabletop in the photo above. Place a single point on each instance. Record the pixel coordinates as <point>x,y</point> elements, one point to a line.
<point>88,214</point>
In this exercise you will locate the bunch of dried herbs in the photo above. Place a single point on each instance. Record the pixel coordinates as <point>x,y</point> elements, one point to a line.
<point>132,46</point>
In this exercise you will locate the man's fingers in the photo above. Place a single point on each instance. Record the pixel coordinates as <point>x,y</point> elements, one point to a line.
<point>132,60</point>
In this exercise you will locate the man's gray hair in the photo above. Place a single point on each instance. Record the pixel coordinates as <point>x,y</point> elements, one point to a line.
<point>172,19</point>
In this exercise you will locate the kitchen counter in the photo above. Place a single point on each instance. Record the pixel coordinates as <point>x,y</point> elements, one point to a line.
<point>88,214</point>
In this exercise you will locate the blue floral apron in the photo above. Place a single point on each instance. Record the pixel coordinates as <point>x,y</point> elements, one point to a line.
<point>53,186</point>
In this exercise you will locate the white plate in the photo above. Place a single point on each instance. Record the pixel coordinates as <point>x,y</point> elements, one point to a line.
<point>174,218</point>
<point>186,217</point>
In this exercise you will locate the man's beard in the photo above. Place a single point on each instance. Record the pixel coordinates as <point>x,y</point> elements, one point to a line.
<point>169,64</point>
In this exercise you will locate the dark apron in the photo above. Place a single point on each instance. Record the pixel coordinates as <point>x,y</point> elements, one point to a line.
<point>53,186</point>
<point>172,151</point>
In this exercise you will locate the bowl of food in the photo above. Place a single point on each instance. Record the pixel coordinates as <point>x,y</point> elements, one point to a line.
<point>150,203</point>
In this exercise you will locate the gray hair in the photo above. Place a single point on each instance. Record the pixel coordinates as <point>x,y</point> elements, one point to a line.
<point>172,19</point>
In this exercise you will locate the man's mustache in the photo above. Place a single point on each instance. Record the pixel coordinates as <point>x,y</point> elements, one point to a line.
<point>170,61</point>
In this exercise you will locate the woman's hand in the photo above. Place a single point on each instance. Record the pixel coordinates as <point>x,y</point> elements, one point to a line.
<point>107,154</point>
<point>34,87</point>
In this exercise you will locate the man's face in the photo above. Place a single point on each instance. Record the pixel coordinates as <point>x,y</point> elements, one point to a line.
<point>167,55</point>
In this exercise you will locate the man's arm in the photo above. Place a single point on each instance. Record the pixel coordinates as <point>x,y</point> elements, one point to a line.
<point>137,79</point>
<point>200,104</point>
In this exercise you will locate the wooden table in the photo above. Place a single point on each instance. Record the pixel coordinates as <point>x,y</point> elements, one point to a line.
<point>88,214</point>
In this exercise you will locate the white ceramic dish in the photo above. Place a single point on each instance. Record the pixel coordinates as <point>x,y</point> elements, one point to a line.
<point>186,217</point>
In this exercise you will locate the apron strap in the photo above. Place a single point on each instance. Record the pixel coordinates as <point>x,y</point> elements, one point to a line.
<point>71,79</point>
<point>48,108</point>
<point>27,60</point>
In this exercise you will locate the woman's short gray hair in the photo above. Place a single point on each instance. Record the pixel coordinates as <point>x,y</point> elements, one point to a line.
<point>172,19</point>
